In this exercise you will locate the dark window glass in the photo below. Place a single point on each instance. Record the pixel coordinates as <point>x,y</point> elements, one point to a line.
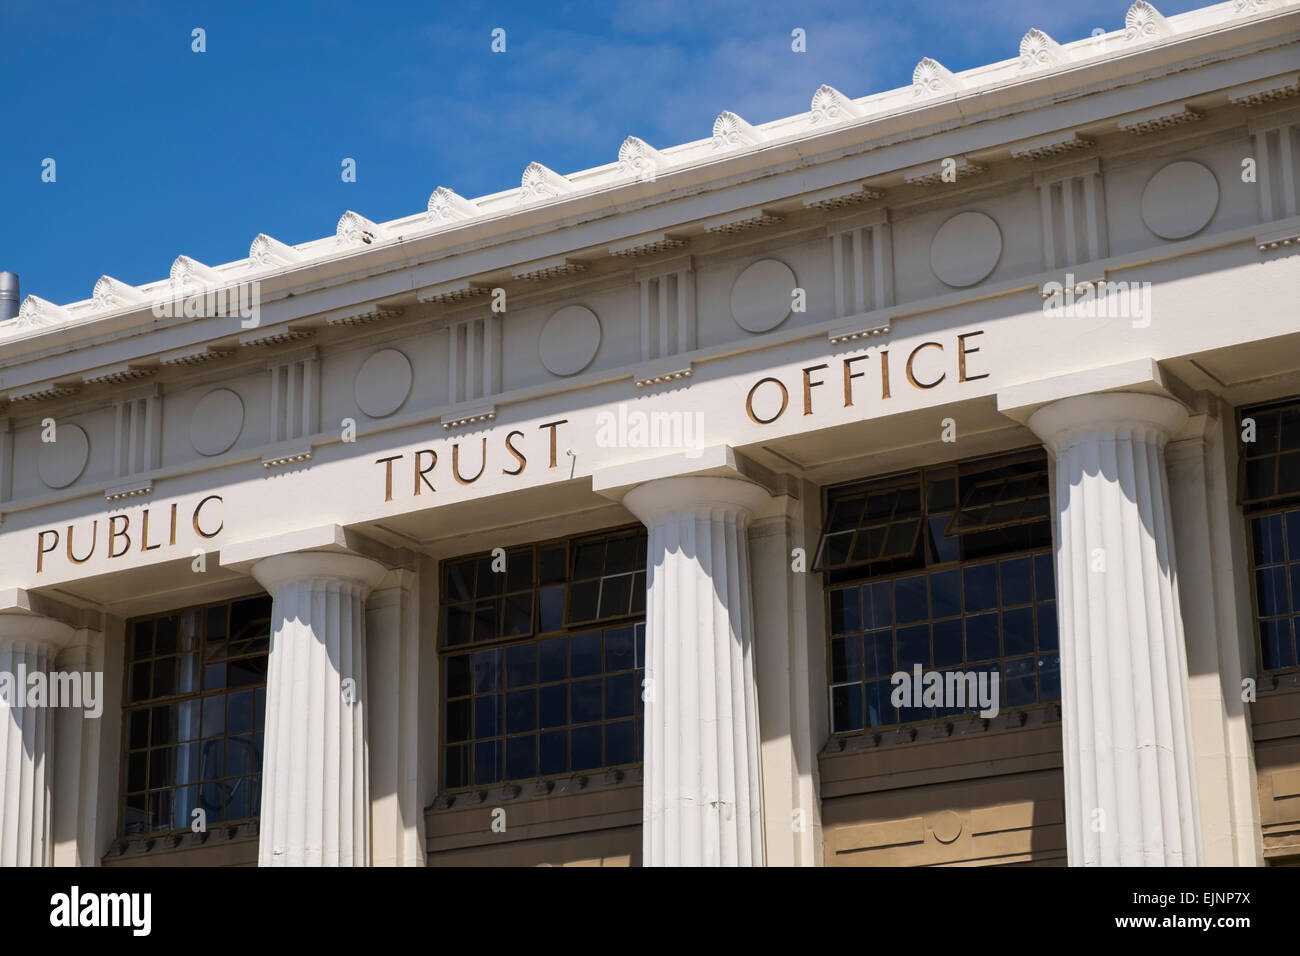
<point>526,705</point>
<point>974,595</point>
<point>196,703</point>
<point>1269,488</point>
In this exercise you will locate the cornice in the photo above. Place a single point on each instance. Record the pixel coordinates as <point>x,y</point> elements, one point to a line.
<point>1044,75</point>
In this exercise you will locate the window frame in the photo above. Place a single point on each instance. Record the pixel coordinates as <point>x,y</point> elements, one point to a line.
<point>129,707</point>
<point>832,494</point>
<point>633,619</point>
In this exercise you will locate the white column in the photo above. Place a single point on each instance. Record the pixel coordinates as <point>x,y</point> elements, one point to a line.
<point>1130,786</point>
<point>315,782</point>
<point>702,796</point>
<point>28,645</point>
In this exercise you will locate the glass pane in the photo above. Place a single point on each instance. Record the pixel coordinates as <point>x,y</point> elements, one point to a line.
<point>1049,677</point>
<point>487,716</point>
<point>521,665</point>
<point>239,712</point>
<point>521,711</point>
<point>878,653</point>
<point>844,610</point>
<point>458,720</point>
<point>555,705</point>
<point>487,671</point>
<point>620,555</point>
<point>582,601</point>
<point>1270,593</point>
<point>460,581</point>
<point>615,596</point>
<point>945,593</point>
<point>458,675</point>
<point>142,639</point>
<point>845,514</point>
<point>980,588</point>
<point>586,747</point>
<point>620,649</point>
<point>167,635</point>
<point>552,608</point>
<point>521,757</point>
<point>1018,631</point>
<point>947,643</point>
<point>620,695</point>
<point>487,620</point>
<point>554,659</point>
<point>551,565</point>
<point>846,708</point>
<point>620,743</point>
<point>1021,689</point>
<point>910,602</point>
<point>1275,643</point>
<point>981,637</point>
<point>519,570</point>
<point>588,560</point>
<point>877,605</point>
<point>1017,587</point>
<point>519,614</point>
<point>913,647</point>
<point>554,752</point>
<point>1044,577</point>
<point>586,701</point>
<point>487,762</point>
<point>879,710</point>
<point>455,765</point>
<point>585,654</point>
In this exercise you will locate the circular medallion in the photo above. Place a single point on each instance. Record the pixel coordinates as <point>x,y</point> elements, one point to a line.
<point>965,249</point>
<point>383,383</point>
<point>217,421</point>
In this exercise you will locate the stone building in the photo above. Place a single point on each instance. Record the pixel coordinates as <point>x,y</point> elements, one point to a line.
<point>590,521</point>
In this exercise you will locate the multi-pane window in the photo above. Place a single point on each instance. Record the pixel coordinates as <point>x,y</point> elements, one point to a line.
<point>948,568</point>
<point>1270,493</point>
<point>192,724</point>
<point>543,660</point>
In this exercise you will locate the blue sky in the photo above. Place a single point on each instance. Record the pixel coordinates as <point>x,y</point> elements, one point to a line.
<point>162,151</point>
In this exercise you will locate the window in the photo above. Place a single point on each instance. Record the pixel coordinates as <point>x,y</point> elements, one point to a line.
<point>1269,487</point>
<point>949,568</point>
<point>192,724</point>
<point>543,659</point>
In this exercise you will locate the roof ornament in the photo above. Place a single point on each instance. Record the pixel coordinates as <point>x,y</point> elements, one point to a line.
<point>639,158</point>
<point>447,206</point>
<point>730,130</point>
<point>829,105</point>
<point>931,78</point>
<point>1144,22</point>
<point>539,183</point>
<point>1039,51</point>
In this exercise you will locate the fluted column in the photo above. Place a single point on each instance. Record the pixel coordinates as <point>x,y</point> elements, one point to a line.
<point>702,796</point>
<point>1130,786</point>
<point>28,645</point>
<point>315,778</point>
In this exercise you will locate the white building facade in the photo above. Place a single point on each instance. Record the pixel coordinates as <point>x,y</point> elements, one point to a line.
<point>589,522</point>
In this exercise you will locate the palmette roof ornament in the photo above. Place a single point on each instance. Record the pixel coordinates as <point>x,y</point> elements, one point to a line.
<point>829,105</point>
<point>638,158</point>
<point>355,229</point>
<point>1144,22</point>
<point>1039,51</point>
<point>112,294</point>
<point>539,182</point>
<point>932,78</point>
<point>187,273</point>
<point>447,206</point>
<point>269,251</point>
<point>729,130</point>
<point>36,313</point>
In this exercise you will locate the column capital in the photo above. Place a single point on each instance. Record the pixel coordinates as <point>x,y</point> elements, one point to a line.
<point>17,627</point>
<point>278,570</point>
<point>1058,422</point>
<point>663,496</point>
